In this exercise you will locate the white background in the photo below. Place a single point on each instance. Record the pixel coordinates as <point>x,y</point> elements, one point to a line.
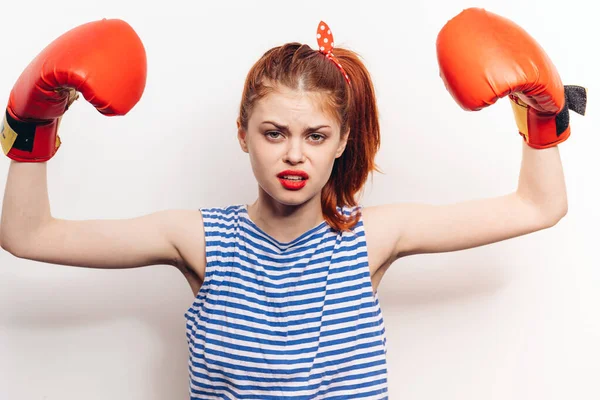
<point>514,320</point>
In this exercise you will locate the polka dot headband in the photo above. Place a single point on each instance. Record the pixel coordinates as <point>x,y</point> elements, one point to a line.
<point>325,41</point>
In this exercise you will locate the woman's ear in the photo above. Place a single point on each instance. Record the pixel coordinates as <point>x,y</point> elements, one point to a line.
<point>342,145</point>
<point>242,137</point>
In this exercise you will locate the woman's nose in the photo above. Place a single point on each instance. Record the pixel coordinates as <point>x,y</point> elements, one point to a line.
<point>295,152</point>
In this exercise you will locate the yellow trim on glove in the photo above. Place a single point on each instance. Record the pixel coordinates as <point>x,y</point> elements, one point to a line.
<point>7,136</point>
<point>520,113</point>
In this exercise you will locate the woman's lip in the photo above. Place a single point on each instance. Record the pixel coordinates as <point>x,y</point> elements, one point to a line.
<point>301,174</point>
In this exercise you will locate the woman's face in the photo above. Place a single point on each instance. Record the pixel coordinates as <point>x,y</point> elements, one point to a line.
<point>289,130</point>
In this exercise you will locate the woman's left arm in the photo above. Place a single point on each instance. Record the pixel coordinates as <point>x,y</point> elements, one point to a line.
<point>484,57</point>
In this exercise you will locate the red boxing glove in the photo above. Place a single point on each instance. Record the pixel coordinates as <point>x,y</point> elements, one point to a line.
<point>483,57</point>
<point>105,60</point>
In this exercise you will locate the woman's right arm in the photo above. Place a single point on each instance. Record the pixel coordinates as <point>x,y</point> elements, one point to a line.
<point>28,230</point>
<point>105,61</point>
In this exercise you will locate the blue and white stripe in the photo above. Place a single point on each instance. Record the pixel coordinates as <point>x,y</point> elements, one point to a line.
<point>296,320</point>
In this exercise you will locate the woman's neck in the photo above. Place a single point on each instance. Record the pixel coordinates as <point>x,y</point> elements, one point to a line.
<point>284,222</point>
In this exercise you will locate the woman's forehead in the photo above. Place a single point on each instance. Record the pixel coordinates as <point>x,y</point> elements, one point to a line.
<point>286,103</point>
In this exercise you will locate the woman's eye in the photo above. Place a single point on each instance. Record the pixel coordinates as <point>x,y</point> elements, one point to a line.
<point>315,137</point>
<point>273,134</point>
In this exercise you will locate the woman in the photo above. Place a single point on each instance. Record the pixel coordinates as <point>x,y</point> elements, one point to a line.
<point>286,288</point>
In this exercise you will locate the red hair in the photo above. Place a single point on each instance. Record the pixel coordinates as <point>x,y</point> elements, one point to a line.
<point>297,66</point>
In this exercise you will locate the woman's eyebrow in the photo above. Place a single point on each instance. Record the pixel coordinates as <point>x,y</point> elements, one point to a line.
<point>286,129</point>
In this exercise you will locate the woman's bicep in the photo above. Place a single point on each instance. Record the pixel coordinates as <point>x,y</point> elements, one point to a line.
<point>108,243</point>
<point>424,228</point>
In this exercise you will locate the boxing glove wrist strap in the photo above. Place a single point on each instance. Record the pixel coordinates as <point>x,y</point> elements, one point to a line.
<point>28,141</point>
<point>541,131</point>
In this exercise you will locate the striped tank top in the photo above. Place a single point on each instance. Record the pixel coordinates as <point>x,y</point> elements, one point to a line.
<point>296,320</point>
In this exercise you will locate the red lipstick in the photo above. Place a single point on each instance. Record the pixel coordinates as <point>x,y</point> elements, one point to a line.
<point>292,180</point>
